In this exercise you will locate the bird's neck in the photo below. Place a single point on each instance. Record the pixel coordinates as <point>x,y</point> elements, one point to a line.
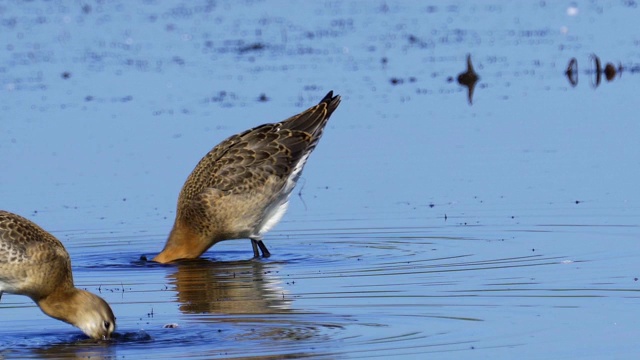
<point>61,304</point>
<point>183,243</point>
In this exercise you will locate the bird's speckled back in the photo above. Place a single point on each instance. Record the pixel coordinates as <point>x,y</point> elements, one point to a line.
<point>31,259</point>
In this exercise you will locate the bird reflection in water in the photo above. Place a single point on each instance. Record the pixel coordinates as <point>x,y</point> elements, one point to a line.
<point>469,79</point>
<point>239,287</point>
<point>249,296</point>
<point>79,349</point>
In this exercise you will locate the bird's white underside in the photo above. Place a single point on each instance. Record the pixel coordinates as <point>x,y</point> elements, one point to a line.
<point>274,213</point>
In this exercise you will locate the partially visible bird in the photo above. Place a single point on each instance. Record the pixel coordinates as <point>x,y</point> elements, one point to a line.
<point>35,264</point>
<point>241,188</point>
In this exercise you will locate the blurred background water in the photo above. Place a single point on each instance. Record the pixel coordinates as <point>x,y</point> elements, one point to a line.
<point>424,223</point>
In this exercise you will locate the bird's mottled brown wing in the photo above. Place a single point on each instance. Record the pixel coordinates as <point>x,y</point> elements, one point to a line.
<point>244,162</point>
<point>314,119</point>
<point>25,247</point>
<point>19,238</point>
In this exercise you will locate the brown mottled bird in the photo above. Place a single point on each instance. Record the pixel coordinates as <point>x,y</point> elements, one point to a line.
<point>34,263</point>
<point>241,188</point>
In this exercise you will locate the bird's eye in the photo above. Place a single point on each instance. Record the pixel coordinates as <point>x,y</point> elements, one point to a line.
<point>107,325</point>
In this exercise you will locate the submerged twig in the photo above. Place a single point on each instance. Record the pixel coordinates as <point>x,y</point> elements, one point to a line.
<point>304,181</point>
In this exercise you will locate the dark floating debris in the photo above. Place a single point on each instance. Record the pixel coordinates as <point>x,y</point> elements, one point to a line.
<point>396,81</point>
<point>251,48</point>
<point>469,79</point>
<point>400,81</point>
<point>263,98</point>
<point>416,41</point>
<point>609,71</point>
<point>572,72</point>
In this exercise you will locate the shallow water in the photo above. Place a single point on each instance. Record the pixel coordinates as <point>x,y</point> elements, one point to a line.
<point>505,228</point>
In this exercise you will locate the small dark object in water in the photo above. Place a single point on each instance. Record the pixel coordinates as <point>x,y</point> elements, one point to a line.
<point>66,75</point>
<point>263,98</point>
<point>251,47</point>
<point>469,78</point>
<point>572,72</point>
<point>143,258</point>
<point>609,71</point>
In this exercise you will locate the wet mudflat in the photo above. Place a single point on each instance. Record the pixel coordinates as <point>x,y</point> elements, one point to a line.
<point>427,221</point>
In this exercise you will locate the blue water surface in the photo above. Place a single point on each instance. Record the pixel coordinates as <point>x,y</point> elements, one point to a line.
<point>423,223</point>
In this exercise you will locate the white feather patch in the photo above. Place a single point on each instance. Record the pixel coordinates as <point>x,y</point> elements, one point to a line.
<point>274,213</point>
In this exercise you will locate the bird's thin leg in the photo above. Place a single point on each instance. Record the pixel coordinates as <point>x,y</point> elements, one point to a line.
<point>263,247</point>
<point>254,244</point>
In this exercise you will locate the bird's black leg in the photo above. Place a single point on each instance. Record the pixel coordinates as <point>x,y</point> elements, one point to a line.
<point>254,244</point>
<point>263,247</point>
